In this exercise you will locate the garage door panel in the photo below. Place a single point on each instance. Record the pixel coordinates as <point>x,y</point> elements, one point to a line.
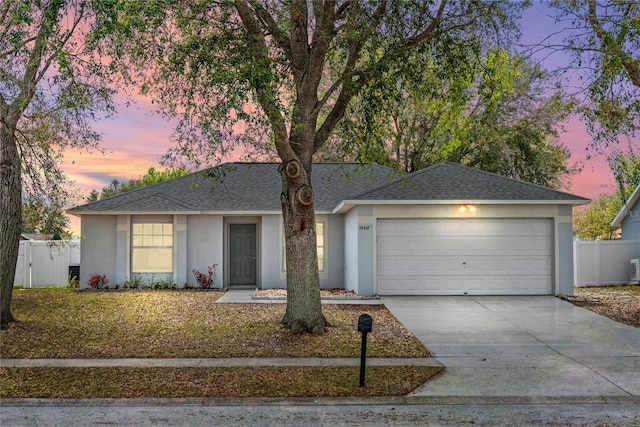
<point>464,257</point>
<point>468,266</point>
<point>451,285</point>
<point>456,227</point>
<point>433,246</point>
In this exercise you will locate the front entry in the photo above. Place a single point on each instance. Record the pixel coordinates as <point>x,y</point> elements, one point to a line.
<point>242,247</point>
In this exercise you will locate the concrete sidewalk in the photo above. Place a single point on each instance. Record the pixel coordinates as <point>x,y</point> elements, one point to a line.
<point>246,296</point>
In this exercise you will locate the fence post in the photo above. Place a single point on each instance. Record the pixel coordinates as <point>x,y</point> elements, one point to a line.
<point>576,269</point>
<point>598,260</point>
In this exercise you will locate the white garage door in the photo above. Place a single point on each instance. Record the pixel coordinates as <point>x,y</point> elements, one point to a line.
<point>464,257</point>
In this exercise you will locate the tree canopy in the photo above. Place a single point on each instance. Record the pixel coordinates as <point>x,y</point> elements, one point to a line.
<point>604,39</point>
<point>625,167</point>
<point>40,217</point>
<point>153,176</point>
<point>594,222</point>
<point>489,110</point>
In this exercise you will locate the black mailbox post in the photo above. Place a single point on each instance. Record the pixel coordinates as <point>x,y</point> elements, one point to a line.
<point>365,323</point>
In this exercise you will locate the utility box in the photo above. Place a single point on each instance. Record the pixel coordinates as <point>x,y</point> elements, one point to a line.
<point>74,271</point>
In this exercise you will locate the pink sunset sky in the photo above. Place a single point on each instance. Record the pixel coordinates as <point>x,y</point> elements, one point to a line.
<point>136,138</point>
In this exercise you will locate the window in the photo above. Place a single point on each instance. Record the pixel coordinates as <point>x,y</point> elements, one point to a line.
<point>152,248</point>
<point>320,244</point>
<point>320,239</point>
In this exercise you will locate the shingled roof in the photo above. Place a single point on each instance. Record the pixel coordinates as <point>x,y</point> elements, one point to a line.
<point>255,187</point>
<point>243,187</point>
<point>450,181</point>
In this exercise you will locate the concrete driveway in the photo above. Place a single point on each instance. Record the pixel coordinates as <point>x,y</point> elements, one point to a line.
<point>523,349</point>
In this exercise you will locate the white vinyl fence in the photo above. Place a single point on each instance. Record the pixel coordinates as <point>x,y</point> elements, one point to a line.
<point>46,263</point>
<point>604,262</point>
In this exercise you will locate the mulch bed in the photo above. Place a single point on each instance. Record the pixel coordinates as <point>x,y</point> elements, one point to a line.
<point>620,303</point>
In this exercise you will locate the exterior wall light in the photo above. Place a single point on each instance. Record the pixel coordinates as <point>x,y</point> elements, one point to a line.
<point>467,208</point>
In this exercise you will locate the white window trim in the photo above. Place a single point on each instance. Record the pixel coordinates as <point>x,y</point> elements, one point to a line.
<point>150,220</point>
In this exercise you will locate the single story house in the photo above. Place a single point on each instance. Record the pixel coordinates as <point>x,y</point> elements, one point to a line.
<point>444,230</point>
<point>629,217</point>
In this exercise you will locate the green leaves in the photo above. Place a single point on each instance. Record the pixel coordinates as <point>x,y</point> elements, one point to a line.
<point>594,222</point>
<point>496,112</point>
<point>605,43</point>
<point>153,176</point>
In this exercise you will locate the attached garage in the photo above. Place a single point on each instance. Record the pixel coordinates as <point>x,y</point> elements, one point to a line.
<point>465,256</point>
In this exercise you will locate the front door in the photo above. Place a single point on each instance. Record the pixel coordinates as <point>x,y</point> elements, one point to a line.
<point>242,247</point>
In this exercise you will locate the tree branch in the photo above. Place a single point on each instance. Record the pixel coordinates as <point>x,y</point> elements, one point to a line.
<point>349,89</point>
<point>281,38</point>
<point>629,64</point>
<point>299,19</point>
<point>264,90</point>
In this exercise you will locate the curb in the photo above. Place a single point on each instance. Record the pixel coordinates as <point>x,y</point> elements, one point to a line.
<point>328,401</point>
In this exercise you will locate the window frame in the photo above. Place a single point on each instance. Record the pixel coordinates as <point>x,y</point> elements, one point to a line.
<point>149,241</point>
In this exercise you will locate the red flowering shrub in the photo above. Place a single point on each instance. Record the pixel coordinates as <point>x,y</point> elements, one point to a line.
<point>98,281</point>
<point>205,280</point>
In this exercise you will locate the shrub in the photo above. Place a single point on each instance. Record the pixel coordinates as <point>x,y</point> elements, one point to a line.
<point>165,285</point>
<point>133,283</point>
<point>206,280</point>
<point>98,281</point>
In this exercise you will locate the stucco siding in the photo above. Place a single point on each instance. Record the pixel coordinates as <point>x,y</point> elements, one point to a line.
<point>351,250</point>
<point>631,223</point>
<point>98,248</point>
<point>204,246</point>
<point>334,255</point>
<point>271,253</point>
<point>565,259</point>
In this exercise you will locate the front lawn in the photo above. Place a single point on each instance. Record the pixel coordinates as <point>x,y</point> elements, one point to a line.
<point>60,323</point>
<point>282,382</point>
<point>620,303</point>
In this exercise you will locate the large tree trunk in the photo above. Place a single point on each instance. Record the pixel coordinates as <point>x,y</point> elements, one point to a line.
<point>10,214</point>
<point>304,308</point>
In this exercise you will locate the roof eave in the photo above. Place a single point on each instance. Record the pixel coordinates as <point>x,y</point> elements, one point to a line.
<point>205,212</point>
<point>80,213</point>
<point>347,205</point>
<point>617,221</point>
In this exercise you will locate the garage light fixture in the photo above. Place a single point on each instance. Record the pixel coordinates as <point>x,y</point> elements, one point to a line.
<point>467,208</point>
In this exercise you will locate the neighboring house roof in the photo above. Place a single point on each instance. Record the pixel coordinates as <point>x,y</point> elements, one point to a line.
<point>624,211</point>
<point>256,187</point>
<point>35,236</point>
<point>251,187</point>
